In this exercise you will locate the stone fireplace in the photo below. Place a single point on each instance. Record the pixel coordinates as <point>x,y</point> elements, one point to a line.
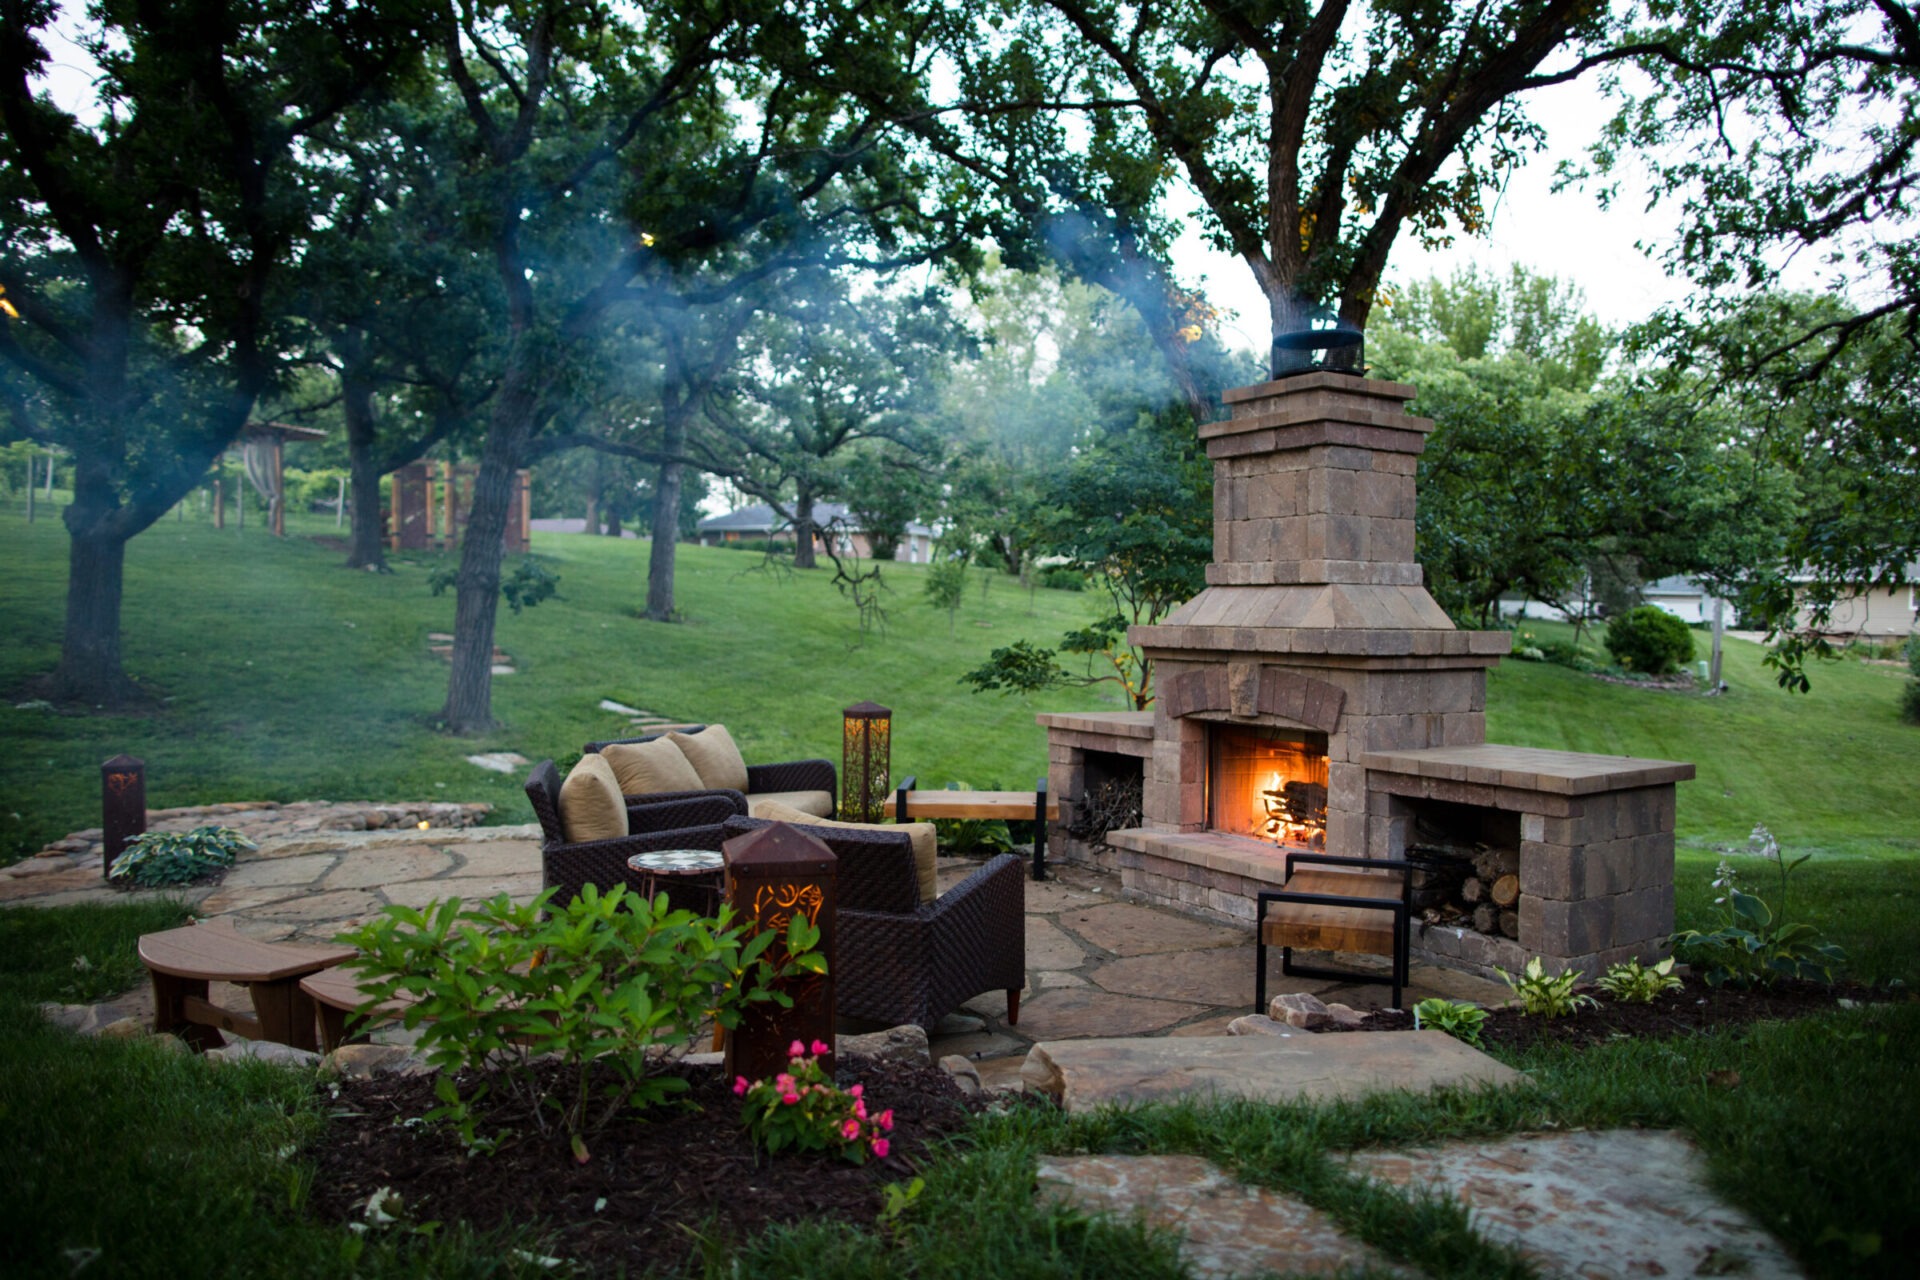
<point>1313,696</point>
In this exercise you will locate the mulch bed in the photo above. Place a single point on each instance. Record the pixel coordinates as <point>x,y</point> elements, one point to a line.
<point>1696,1007</point>
<point>654,1177</point>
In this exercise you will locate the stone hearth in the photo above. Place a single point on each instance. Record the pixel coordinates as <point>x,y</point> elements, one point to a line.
<point>1315,626</point>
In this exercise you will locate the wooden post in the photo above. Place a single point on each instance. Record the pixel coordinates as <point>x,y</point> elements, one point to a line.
<point>772,874</point>
<point>447,533</point>
<point>340,504</point>
<point>123,806</point>
<point>219,500</point>
<point>30,488</point>
<point>1719,626</point>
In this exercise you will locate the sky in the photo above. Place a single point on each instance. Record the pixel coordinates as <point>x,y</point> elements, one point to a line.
<point>1565,234</point>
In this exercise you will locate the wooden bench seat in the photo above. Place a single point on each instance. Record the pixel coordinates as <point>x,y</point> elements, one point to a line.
<point>336,994</point>
<point>1035,806</point>
<point>182,962</point>
<point>1355,905</point>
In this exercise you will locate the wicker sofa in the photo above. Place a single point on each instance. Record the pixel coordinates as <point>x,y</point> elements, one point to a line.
<point>688,820</point>
<point>901,960</point>
<point>785,780</point>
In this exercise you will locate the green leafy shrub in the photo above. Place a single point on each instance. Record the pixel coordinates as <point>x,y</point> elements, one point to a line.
<point>161,858</point>
<point>802,1109</point>
<point>1754,946</point>
<point>528,584</point>
<point>1633,983</point>
<point>1058,577</point>
<point>1551,995</point>
<point>1564,654</point>
<point>612,987</point>
<point>1649,639</point>
<point>1457,1018</point>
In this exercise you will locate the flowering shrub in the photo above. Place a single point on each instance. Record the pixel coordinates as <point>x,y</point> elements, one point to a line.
<point>612,987</point>
<point>1754,945</point>
<point>802,1109</point>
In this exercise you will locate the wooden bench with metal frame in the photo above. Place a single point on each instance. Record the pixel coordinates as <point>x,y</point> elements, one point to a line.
<point>1334,911</point>
<point>1012,806</point>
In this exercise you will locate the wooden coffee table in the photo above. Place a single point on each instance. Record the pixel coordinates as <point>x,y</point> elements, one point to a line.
<point>1035,806</point>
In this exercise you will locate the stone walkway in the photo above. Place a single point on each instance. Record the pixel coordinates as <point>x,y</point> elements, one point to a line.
<point>1097,966</point>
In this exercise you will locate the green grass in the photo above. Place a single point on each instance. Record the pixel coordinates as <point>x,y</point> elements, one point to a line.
<point>284,676</point>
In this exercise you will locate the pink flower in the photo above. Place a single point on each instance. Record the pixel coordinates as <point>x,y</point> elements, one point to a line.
<point>860,1108</point>
<point>880,1148</point>
<point>796,1050</point>
<point>790,1098</point>
<point>850,1130</point>
<point>886,1120</point>
<point>856,1091</point>
<point>740,1084</point>
<point>821,1046</point>
<point>784,1083</point>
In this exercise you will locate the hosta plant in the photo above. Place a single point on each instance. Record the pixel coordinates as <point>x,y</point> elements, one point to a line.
<point>1631,982</point>
<point>161,858</point>
<point>611,988</point>
<point>1457,1018</point>
<point>1550,995</point>
<point>1754,945</point>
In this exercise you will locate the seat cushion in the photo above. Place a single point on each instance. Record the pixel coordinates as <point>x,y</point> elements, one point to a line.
<point>714,757</point>
<point>591,807</point>
<point>817,803</point>
<point>648,768</point>
<point>926,844</point>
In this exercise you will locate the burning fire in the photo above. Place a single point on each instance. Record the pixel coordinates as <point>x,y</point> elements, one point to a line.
<point>1296,812</point>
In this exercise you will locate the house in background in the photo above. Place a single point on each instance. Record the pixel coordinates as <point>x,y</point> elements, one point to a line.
<point>830,519</point>
<point>1879,614</point>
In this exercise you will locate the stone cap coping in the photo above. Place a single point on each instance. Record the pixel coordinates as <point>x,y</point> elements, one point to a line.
<point>1567,773</point>
<point>1320,381</point>
<point>1114,724</point>
<point>1244,856</point>
<point>1484,647</point>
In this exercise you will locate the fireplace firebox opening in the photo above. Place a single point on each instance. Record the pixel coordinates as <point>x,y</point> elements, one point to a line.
<point>1268,783</point>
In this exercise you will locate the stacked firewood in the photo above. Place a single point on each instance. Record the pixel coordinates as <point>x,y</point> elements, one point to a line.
<point>1113,805</point>
<point>1473,886</point>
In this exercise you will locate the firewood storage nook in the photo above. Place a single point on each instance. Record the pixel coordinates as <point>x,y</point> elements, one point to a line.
<point>1314,697</point>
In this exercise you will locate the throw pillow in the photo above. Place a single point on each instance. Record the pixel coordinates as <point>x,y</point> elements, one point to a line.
<point>648,768</point>
<point>590,803</point>
<point>714,757</point>
<point>926,844</point>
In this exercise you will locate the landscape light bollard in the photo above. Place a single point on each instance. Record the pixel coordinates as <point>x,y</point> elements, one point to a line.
<point>123,806</point>
<point>772,874</point>
<point>866,744</point>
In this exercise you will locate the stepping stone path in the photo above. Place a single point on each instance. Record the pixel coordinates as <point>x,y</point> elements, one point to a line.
<point>1624,1202</point>
<point>1227,1228</point>
<point>500,761</point>
<point>1303,1066</point>
<point>440,644</point>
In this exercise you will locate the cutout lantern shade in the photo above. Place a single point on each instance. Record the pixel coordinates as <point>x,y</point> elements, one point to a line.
<point>774,874</point>
<point>866,735</point>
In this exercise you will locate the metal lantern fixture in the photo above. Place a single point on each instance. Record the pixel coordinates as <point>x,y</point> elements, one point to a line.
<point>1324,332</point>
<point>123,806</point>
<point>772,875</point>
<point>866,739</point>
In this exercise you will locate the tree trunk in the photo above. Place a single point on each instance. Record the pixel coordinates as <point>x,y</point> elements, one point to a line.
<point>469,706</point>
<point>803,527</point>
<point>366,549</point>
<point>666,521</point>
<point>90,670</point>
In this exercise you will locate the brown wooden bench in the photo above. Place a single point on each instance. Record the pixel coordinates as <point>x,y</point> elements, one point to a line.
<point>183,961</point>
<point>1331,903</point>
<point>336,993</point>
<point>1035,806</point>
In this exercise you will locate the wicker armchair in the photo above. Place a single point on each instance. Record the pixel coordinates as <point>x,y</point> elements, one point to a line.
<point>681,820</point>
<point>762,779</point>
<point>904,961</point>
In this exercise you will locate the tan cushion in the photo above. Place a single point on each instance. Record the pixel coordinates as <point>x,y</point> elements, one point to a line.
<point>714,757</point>
<point>817,803</point>
<point>590,803</point>
<point>926,845</point>
<point>648,768</point>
